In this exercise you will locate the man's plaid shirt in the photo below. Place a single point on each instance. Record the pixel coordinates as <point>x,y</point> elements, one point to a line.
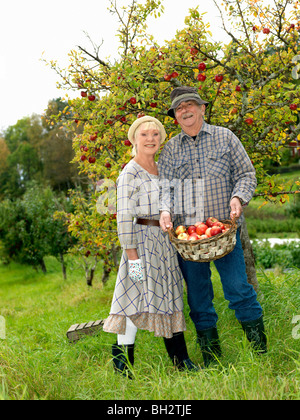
<point>199,177</point>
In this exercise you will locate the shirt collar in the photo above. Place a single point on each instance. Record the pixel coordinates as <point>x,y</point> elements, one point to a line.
<point>206,128</point>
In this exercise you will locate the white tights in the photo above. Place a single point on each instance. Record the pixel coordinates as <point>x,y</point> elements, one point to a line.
<point>130,333</point>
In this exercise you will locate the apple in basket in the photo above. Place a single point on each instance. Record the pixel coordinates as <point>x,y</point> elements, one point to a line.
<point>191,229</point>
<point>193,237</point>
<point>201,228</point>
<point>208,232</point>
<point>180,229</point>
<point>183,236</point>
<point>215,230</point>
<point>210,221</point>
<point>220,224</point>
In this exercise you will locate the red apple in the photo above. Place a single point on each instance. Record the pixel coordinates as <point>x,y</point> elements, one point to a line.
<point>249,121</point>
<point>202,66</point>
<point>83,158</point>
<point>191,229</point>
<point>92,159</point>
<point>208,232</point>
<point>153,104</point>
<point>180,229</point>
<point>200,229</point>
<point>107,165</point>
<point>127,142</point>
<point>266,31</point>
<point>215,230</point>
<point>193,237</point>
<point>201,77</point>
<point>194,51</point>
<point>238,88</point>
<point>219,78</point>
<point>167,77</point>
<point>183,236</point>
<point>293,107</point>
<point>174,74</point>
<point>83,94</point>
<point>91,97</point>
<point>220,224</point>
<point>210,221</point>
<point>132,101</point>
<point>93,137</point>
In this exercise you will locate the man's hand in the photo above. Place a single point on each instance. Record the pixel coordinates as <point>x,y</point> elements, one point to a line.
<point>165,221</point>
<point>236,208</point>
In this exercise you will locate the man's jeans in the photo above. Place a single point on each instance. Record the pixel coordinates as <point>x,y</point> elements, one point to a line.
<point>240,294</point>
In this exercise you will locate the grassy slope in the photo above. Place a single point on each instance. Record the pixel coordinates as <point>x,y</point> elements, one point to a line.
<point>37,362</point>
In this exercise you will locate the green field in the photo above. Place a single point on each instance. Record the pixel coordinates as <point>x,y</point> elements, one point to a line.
<point>38,363</point>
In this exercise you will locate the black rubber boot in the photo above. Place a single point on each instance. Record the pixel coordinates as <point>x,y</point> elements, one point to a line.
<point>209,344</point>
<point>123,358</point>
<point>255,333</point>
<point>176,348</point>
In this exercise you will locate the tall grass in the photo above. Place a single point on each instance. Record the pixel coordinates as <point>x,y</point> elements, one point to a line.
<point>38,363</point>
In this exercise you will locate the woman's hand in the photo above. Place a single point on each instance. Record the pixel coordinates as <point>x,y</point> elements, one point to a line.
<point>165,221</point>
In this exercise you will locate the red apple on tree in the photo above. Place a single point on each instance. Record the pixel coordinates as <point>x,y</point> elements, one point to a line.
<point>127,142</point>
<point>219,78</point>
<point>249,121</point>
<point>132,100</point>
<point>201,77</point>
<point>92,159</point>
<point>91,97</point>
<point>266,31</point>
<point>293,107</point>
<point>202,66</point>
<point>83,94</point>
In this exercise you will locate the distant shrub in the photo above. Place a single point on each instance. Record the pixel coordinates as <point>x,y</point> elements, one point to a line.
<point>285,255</point>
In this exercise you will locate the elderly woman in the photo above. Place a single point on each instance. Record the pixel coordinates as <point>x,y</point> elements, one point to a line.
<point>149,286</point>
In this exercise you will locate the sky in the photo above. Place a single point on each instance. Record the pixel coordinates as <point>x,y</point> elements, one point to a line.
<point>33,29</point>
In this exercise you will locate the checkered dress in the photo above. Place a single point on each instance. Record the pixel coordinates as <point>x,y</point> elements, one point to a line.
<point>155,303</point>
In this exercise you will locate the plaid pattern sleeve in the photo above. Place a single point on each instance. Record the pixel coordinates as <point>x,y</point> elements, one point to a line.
<point>125,206</point>
<point>198,177</point>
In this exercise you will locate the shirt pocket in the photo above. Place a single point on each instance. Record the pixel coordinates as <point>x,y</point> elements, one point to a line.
<point>182,168</point>
<point>217,162</point>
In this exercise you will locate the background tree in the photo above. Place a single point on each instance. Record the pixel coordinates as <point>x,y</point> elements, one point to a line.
<point>28,231</point>
<point>247,81</point>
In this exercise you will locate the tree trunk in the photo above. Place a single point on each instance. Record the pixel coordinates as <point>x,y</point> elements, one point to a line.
<point>89,274</point>
<point>43,266</point>
<point>63,266</point>
<point>249,257</point>
<point>105,275</point>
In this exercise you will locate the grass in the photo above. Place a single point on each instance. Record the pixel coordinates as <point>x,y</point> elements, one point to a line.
<point>38,363</point>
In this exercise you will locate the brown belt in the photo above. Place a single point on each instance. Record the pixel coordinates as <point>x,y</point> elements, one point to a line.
<point>149,222</point>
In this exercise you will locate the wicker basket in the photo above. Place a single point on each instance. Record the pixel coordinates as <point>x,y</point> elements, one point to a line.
<point>205,250</point>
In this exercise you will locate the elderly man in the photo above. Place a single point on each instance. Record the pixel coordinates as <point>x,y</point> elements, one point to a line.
<point>205,171</point>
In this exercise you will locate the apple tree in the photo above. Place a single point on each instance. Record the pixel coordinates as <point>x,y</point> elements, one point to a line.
<point>250,82</point>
